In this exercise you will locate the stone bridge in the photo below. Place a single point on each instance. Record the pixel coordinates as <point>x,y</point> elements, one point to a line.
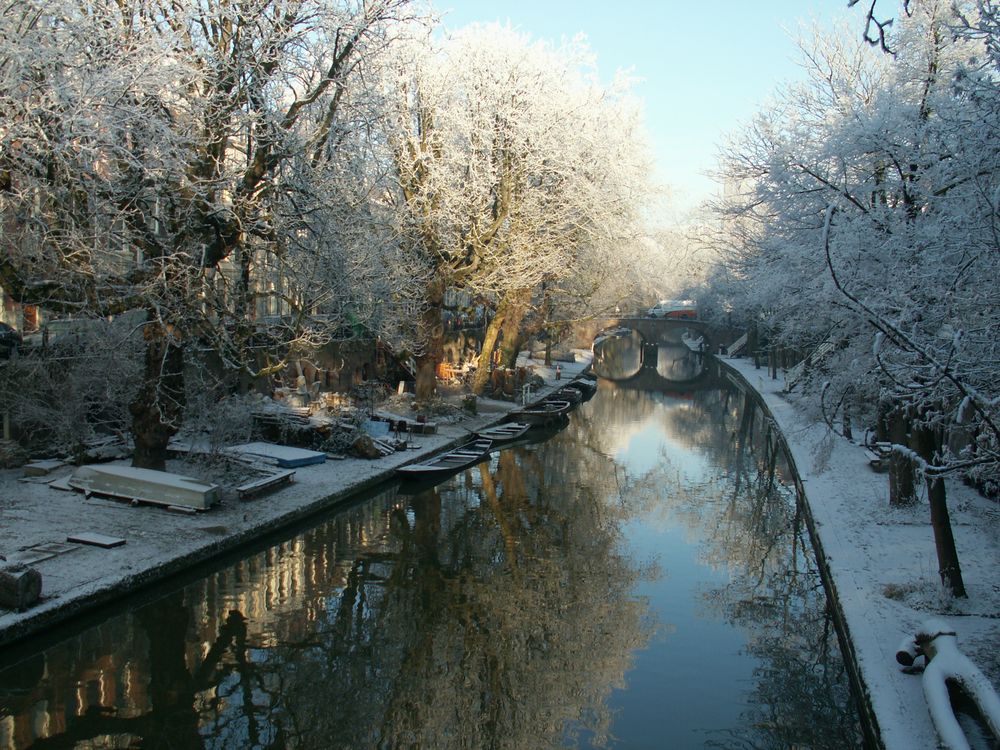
<point>663,330</point>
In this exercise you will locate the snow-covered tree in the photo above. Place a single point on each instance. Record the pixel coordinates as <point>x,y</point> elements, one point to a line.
<point>190,160</point>
<point>863,212</point>
<point>513,166</point>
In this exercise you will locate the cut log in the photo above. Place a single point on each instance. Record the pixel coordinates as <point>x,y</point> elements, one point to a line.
<point>269,482</point>
<point>20,587</point>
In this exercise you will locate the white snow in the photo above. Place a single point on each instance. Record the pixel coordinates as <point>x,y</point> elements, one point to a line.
<point>949,664</point>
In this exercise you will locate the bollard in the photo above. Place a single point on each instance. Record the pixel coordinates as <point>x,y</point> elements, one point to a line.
<point>20,587</point>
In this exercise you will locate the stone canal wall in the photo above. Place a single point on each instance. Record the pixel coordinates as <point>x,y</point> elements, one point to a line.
<point>869,720</point>
<point>879,565</point>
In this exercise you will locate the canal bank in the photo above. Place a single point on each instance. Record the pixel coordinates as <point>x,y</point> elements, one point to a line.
<point>638,579</point>
<point>880,567</point>
<point>36,521</point>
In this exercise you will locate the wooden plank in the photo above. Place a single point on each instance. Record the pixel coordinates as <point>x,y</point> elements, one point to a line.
<point>41,552</point>
<point>95,539</point>
<point>42,468</point>
<point>266,483</point>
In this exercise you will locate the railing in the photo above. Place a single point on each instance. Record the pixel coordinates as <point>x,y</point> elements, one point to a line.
<point>739,345</point>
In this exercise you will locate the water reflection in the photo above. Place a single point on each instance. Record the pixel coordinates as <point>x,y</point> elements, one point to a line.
<point>677,363</point>
<point>618,354</point>
<point>523,604</point>
<point>724,479</point>
<point>623,355</point>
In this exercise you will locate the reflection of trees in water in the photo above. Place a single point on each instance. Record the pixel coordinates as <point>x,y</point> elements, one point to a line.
<point>493,611</point>
<point>503,616</point>
<point>677,362</point>
<point>488,612</point>
<point>750,525</point>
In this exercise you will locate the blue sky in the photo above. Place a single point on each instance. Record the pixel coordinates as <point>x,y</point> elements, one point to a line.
<point>705,67</point>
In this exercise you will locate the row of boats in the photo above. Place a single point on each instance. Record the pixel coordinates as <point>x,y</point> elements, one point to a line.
<point>547,412</point>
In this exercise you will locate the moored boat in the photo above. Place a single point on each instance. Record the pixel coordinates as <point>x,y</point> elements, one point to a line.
<point>504,433</point>
<point>445,463</point>
<point>542,413</point>
<point>586,386</point>
<point>567,393</point>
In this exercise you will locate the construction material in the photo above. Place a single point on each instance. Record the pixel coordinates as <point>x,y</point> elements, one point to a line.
<point>95,539</point>
<point>284,456</point>
<point>256,487</point>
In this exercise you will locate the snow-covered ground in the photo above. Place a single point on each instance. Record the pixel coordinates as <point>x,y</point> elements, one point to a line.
<point>36,519</point>
<point>883,564</point>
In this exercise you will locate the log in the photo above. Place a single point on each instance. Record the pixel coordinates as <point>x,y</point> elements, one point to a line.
<point>20,587</point>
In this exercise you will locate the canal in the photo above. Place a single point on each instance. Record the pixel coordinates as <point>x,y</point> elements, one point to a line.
<point>640,579</point>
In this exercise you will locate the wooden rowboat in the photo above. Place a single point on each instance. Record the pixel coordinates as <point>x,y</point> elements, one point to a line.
<point>567,393</point>
<point>586,386</point>
<point>451,461</point>
<point>545,412</point>
<point>145,486</point>
<point>504,433</point>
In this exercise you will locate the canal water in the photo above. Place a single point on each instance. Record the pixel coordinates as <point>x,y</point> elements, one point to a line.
<point>640,579</point>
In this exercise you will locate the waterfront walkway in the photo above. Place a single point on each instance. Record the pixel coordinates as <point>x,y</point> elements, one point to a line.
<point>882,564</point>
<point>160,543</point>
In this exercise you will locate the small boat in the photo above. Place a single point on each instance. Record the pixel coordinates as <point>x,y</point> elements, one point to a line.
<point>543,413</point>
<point>451,461</point>
<point>145,486</point>
<point>504,433</point>
<point>586,386</point>
<point>567,393</point>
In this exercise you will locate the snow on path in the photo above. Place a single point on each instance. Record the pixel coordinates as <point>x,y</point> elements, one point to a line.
<point>883,564</point>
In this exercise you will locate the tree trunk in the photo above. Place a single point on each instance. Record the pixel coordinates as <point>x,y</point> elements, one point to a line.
<point>432,337</point>
<point>483,366</point>
<point>511,340</point>
<point>159,405</point>
<point>928,446</point>
<point>901,489</point>
<point>546,322</point>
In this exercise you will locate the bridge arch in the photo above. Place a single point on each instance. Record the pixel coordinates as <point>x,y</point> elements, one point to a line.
<point>666,330</point>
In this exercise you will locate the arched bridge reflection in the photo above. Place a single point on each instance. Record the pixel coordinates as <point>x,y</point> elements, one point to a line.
<point>669,331</point>
<point>623,357</point>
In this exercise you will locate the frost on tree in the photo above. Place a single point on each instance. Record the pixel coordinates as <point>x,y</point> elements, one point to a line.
<point>202,163</point>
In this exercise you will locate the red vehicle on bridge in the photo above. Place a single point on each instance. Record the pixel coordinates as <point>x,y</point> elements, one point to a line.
<point>684,309</point>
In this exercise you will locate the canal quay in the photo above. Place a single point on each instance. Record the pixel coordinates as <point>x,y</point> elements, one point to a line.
<point>643,577</point>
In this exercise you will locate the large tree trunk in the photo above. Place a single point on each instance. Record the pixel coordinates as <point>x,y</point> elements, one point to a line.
<point>432,336</point>
<point>159,405</point>
<point>482,375</point>
<point>928,446</point>
<point>901,487</point>
<point>511,339</point>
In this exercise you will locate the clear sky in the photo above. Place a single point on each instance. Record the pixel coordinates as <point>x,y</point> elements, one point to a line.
<point>704,68</point>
